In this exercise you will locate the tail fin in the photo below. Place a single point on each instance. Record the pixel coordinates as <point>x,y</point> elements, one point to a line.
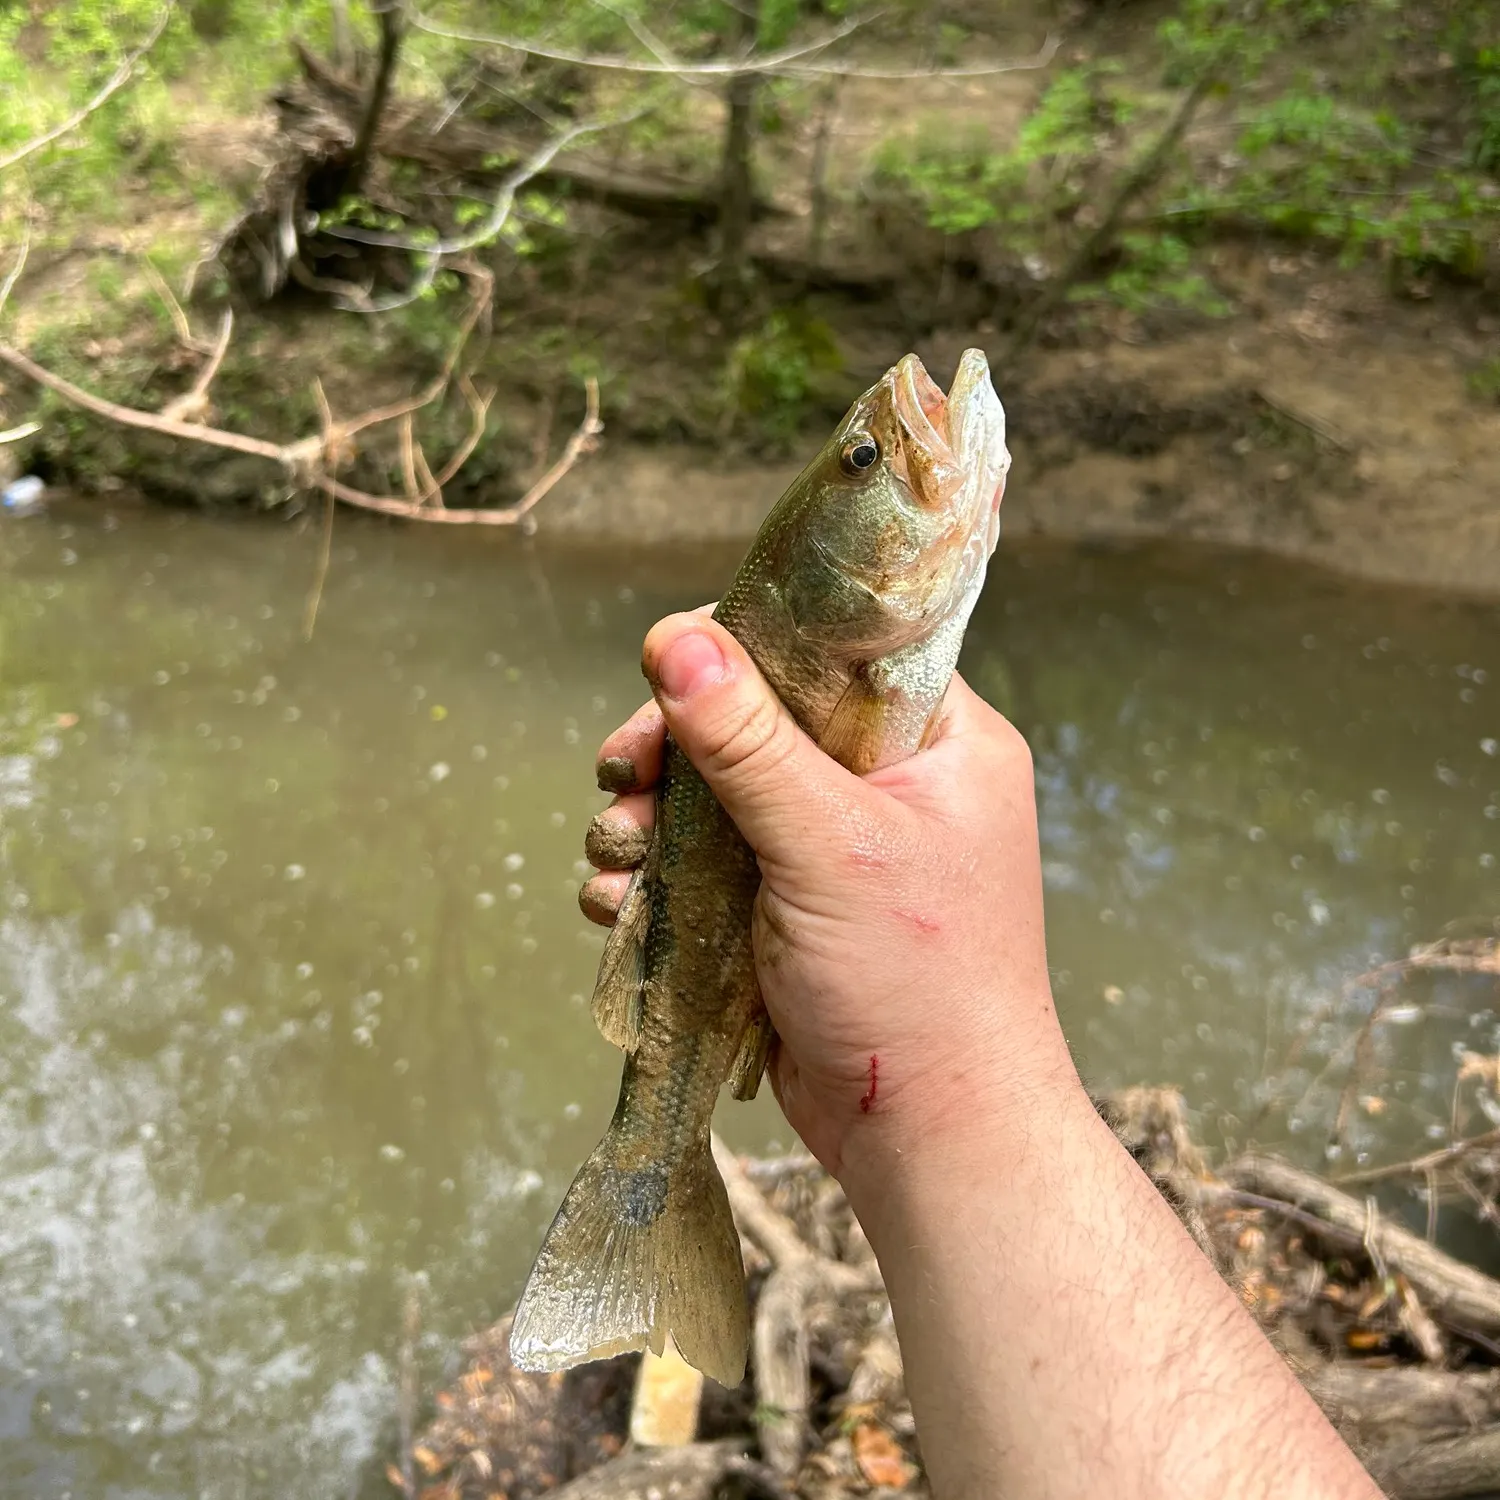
<point>634,1254</point>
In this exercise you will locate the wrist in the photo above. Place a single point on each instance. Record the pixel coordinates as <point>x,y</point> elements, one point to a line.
<point>987,1107</point>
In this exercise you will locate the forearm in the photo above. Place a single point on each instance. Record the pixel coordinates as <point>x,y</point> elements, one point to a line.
<point>1063,1336</point>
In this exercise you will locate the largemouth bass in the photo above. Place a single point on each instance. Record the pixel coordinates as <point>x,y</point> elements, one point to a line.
<point>853,601</point>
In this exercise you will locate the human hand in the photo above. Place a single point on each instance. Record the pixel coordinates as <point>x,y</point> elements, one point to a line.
<point>898,932</point>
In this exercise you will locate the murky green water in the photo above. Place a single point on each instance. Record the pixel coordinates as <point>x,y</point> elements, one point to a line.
<point>292,980</point>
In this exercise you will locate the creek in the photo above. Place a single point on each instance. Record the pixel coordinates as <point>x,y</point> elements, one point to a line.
<point>293,985</point>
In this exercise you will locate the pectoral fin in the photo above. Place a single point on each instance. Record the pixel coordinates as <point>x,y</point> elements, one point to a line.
<point>749,1064</point>
<point>852,734</point>
<point>622,967</point>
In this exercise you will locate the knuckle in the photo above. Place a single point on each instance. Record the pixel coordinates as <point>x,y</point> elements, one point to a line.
<point>752,734</point>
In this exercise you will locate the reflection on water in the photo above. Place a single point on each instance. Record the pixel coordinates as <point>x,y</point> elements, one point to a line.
<point>292,982</point>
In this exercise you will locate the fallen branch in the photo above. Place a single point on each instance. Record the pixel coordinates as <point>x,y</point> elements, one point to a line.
<point>1457,1294</point>
<point>116,81</point>
<point>690,1473</point>
<point>780,1340</point>
<point>312,462</point>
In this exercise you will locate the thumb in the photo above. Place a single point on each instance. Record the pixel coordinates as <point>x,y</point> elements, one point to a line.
<point>780,789</point>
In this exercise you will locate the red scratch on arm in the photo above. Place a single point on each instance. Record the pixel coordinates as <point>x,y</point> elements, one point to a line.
<point>868,1102</point>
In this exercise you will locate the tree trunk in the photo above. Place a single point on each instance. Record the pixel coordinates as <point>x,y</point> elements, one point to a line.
<point>730,286</point>
<point>392,27</point>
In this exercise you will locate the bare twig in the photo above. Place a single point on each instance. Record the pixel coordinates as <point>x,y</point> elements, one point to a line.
<point>116,81</point>
<point>192,405</point>
<point>772,62</point>
<point>311,461</point>
<point>433,254</point>
<point>788,62</point>
<point>15,434</point>
<point>325,554</point>
<point>1421,1165</point>
<point>14,274</point>
<point>185,335</point>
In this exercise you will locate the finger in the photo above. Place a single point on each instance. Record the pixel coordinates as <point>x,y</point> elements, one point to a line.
<point>619,837</point>
<point>599,898</point>
<point>785,795</point>
<point>630,759</point>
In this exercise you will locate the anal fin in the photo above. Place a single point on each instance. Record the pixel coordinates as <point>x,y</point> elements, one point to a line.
<point>749,1065</point>
<point>622,967</point>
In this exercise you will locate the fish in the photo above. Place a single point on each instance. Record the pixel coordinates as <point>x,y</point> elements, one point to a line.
<point>852,600</point>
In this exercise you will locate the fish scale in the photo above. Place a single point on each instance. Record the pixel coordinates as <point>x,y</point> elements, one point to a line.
<point>852,600</point>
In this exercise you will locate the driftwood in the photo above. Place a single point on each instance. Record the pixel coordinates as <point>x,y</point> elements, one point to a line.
<point>799,1277</point>
<point>1387,1333</point>
<point>1452,1291</point>
<point>691,1473</point>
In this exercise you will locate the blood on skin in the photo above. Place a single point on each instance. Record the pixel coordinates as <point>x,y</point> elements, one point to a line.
<point>867,1103</point>
<point>921,923</point>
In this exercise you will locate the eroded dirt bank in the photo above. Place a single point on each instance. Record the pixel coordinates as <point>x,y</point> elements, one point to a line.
<point>1369,457</point>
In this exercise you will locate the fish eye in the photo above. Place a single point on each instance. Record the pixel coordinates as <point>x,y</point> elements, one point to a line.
<point>859,453</point>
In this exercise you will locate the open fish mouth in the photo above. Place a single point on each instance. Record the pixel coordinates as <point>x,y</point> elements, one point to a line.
<point>953,446</point>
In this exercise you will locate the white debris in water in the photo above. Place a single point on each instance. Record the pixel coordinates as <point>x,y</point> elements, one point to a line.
<point>484,900</point>
<point>439,770</point>
<point>572,1111</point>
<point>513,862</point>
<point>1490,747</point>
<point>389,1152</point>
<point>293,872</point>
<point>514,891</point>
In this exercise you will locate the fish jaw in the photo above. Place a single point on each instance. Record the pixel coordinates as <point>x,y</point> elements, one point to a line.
<point>975,429</point>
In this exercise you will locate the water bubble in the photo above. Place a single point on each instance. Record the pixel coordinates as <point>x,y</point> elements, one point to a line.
<point>304,970</point>
<point>557,819</point>
<point>439,770</point>
<point>161,678</point>
<point>293,872</point>
<point>1255,833</point>
<point>484,900</point>
<point>572,1111</point>
<point>1490,746</point>
<point>514,891</point>
<point>1318,912</point>
<point>513,862</point>
<point>1380,796</point>
<point>478,752</point>
<point>528,945</point>
<point>389,1152</point>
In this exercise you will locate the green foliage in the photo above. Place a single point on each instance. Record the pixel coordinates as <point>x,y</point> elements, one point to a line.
<point>1482,74</point>
<point>771,372</point>
<point>958,181</point>
<point>955,179</point>
<point>1153,271</point>
<point>1484,382</point>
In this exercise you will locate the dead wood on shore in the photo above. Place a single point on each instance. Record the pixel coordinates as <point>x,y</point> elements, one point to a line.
<point>1391,1336</point>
